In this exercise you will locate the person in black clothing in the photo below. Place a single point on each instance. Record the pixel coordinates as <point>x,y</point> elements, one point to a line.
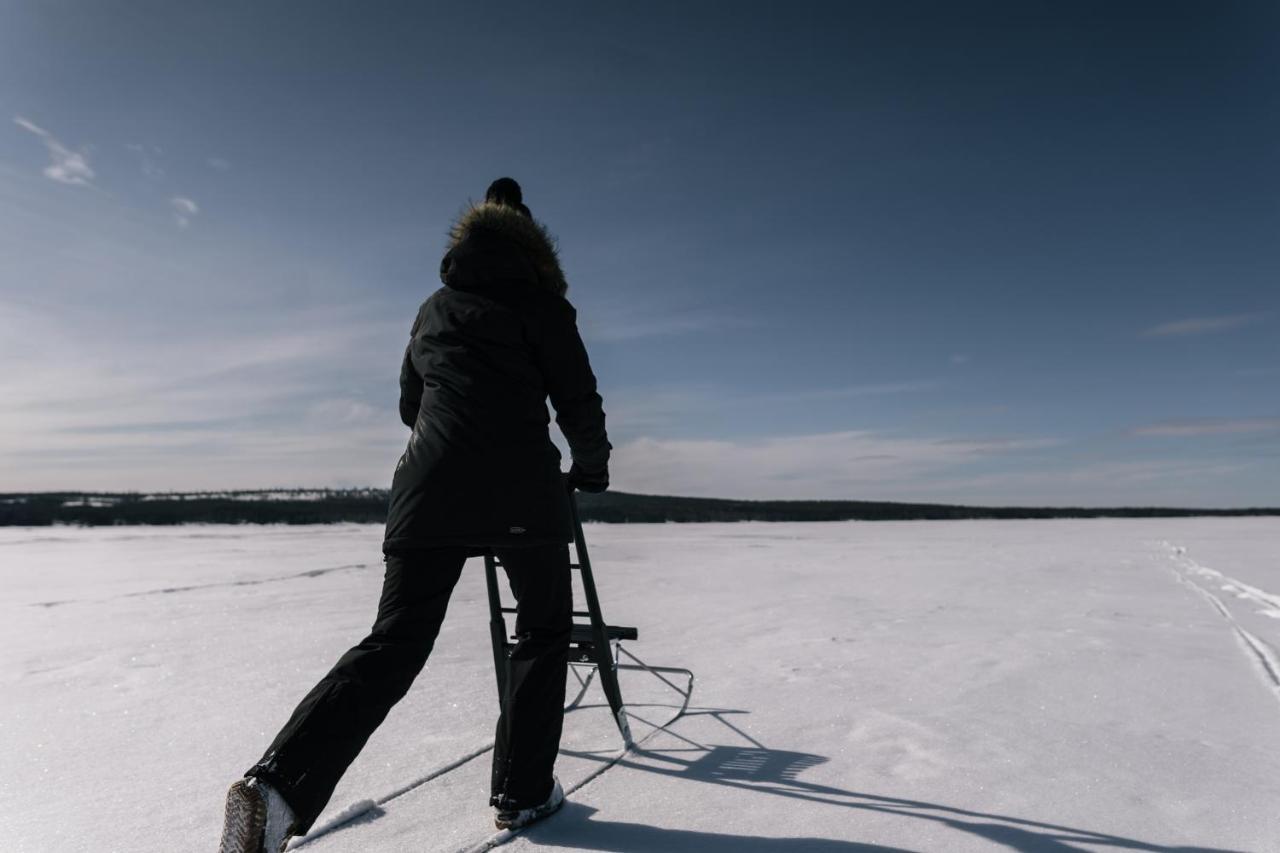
<point>480,473</point>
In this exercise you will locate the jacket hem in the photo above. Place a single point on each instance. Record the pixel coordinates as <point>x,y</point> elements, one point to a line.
<point>478,544</point>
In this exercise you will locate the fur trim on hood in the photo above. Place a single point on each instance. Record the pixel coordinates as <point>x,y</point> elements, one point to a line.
<point>532,236</point>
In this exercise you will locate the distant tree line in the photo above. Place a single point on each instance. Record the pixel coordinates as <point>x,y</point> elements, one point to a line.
<point>369,506</point>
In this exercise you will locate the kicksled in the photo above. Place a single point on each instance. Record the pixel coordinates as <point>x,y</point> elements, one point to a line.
<point>594,645</point>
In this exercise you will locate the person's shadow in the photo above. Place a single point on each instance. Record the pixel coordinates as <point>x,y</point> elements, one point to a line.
<point>757,768</point>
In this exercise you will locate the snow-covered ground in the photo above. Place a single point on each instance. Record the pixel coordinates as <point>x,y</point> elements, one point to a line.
<point>902,686</point>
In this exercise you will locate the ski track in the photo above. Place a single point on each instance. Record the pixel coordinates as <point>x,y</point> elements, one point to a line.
<point>1264,659</point>
<point>169,590</point>
<point>1269,602</point>
<point>362,807</point>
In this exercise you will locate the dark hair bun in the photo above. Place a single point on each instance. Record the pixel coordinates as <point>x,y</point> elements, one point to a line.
<point>505,191</point>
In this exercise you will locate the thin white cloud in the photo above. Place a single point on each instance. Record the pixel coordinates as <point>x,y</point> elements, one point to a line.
<point>673,405</point>
<point>65,166</point>
<point>959,358</point>
<point>841,392</point>
<point>342,410</point>
<point>978,446</point>
<point>146,160</point>
<point>261,405</point>
<point>30,125</point>
<point>184,209</point>
<point>219,164</point>
<point>1155,482</point>
<point>1207,426</point>
<point>847,464</point>
<point>1202,325</point>
<point>628,324</point>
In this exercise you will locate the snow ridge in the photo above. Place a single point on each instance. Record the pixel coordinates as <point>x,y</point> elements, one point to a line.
<point>342,818</point>
<point>170,590</point>
<point>362,807</point>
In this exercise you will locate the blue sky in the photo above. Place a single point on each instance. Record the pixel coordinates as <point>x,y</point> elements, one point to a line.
<point>975,252</point>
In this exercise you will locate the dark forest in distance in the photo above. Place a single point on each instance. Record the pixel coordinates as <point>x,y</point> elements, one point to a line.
<point>327,506</point>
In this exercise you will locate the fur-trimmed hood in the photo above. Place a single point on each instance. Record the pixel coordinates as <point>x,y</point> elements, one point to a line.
<point>528,233</point>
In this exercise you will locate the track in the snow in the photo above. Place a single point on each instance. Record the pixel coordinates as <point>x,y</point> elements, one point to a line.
<point>1265,661</point>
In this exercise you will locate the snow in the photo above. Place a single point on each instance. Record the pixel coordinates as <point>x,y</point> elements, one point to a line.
<point>1075,685</point>
<point>262,495</point>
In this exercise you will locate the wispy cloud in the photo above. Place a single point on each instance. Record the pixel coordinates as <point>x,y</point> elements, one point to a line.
<point>65,166</point>
<point>147,155</point>
<point>999,444</point>
<point>261,406</point>
<point>619,324</point>
<point>1150,482</point>
<point>184,209</point>
<point>1270,370</point>
<point>840,392</point>
<point>674,406</point>
<point>1202,325</point>
<point>847,464</point>
<point>218,164</point>
<point>1207,426</point>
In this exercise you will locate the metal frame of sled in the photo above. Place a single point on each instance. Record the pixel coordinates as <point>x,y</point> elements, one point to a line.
<point>594,644</point>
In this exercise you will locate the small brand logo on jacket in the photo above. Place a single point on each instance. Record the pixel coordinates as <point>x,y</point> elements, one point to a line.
<point>515,530</point>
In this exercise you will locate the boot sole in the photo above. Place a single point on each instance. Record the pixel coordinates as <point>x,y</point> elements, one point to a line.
<point>244,820</point>
<point>510,823</point>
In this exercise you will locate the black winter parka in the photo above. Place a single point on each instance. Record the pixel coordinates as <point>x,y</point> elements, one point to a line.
<point>485,352</point>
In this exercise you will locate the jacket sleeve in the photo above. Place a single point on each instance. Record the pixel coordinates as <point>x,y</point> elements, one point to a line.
<point>566,370</point>
<point>410,381</point>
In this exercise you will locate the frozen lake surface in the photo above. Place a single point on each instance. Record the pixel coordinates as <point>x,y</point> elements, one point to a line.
<point>1083,685</point>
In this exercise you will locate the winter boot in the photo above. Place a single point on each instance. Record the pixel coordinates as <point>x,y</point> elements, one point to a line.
<point>257,819</point>
<point>516,818</point>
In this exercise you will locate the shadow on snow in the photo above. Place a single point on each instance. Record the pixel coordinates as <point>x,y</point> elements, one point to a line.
<point>759,769</point>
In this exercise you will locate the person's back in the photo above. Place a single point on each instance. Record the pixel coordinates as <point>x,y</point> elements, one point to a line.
<point>479,474</point>
<point>485,352</point>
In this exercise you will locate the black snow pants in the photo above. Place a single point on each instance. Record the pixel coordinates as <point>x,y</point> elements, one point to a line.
<point>332,723</point>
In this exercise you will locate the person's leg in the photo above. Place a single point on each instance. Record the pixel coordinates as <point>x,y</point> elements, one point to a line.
<point>332,723</point>
<point>528,732</point>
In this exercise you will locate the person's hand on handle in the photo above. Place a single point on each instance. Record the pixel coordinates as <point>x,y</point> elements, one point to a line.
<point>588,481</point>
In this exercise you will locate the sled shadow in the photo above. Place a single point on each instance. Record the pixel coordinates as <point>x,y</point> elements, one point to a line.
<point>758,769</point>
<point>574,828</point>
